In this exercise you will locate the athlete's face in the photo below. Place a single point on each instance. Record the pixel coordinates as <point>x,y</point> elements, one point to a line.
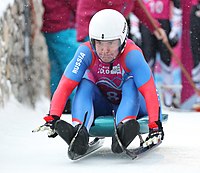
<point>107,50</point>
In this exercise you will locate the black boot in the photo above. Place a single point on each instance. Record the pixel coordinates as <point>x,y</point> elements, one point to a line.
<point>80,145</point>
<point>65,130</point>
<point>126,132</point>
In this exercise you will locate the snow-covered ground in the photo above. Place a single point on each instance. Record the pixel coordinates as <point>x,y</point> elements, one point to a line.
<point>23,151</point>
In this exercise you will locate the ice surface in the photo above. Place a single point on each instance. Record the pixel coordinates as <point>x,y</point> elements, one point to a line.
<point>23,151</point>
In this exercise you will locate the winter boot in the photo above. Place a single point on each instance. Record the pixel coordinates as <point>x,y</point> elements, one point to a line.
<point>80,144</point>
<point>126,132</point>
<point>65,130</point>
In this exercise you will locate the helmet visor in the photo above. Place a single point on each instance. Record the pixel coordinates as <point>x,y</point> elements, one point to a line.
<point>107,50</point>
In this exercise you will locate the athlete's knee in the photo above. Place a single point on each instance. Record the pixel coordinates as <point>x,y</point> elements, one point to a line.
<point>129,89</point>
<point>85,83</point>
<point>85,88</point>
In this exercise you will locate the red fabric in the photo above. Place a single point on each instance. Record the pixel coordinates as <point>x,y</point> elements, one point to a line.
<point>62,93</point>
<point>162,11</point>
<point>58,15</point>
<point>85,13</point>
<point>153,125</point>
<point>142,17</point>
<point>129,118</point>
<point>186,54</point>
<point>76,120</point>
<point>153,103</point>
<point>195,2</point>
<point>48,118</point>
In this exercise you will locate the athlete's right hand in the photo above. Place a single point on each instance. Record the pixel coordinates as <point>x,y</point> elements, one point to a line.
<point>49,126</point>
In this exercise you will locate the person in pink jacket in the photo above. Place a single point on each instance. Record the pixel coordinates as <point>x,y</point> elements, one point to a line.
<point>87,8</point>
<point>172,24</point>
<point>195,46</point>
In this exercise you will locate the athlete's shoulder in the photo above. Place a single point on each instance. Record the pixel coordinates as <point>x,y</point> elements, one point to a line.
<point>84,49</point>
<point>130,45</point>
<point>132,48</point>
<point>87,43</point>
<point>131,55</point>
<point>86,46</point>
<point>90,51</point>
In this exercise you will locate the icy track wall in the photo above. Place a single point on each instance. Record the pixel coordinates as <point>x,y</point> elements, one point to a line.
<point>23,54</point>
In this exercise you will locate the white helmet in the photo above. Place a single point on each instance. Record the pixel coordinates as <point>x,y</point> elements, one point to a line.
<point>108,24</point>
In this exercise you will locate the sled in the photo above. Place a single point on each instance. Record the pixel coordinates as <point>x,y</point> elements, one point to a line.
<point>104,125</point>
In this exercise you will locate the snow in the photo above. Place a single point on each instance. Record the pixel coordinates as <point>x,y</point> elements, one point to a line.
<point>4,5</point>
<point>23,151</point>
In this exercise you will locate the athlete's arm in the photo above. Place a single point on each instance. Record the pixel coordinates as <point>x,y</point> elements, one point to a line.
<point>70,79</point>
<point>144,81</point>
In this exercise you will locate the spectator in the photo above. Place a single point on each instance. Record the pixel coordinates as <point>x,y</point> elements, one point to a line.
<point>60,34</point>
<point>150,45</point>
<point>195,46</point>
<point>87,8</point>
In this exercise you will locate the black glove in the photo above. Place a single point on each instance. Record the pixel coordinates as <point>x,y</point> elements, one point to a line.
<point>155,135</point>
<point>176,27</point>
<point>50,124</point>
<point>173,40</point>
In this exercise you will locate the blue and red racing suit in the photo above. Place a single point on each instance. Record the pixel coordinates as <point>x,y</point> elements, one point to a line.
<point>128,87</point>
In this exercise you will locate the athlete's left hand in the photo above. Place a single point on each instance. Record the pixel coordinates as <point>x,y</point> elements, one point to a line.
<point>155,135</point>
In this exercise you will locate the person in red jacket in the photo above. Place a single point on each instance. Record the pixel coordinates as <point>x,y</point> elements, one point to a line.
<point>59,31</point>
<point>87,8</point>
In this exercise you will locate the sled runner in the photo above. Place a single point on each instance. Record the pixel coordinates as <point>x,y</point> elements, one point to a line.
<point>105,126</point>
